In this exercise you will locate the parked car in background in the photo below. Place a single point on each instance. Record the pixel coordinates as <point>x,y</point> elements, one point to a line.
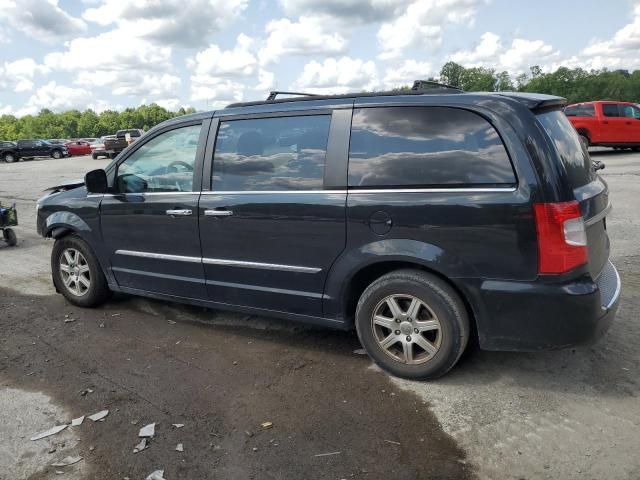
<point>123,138</point>
<point>78,147</point>
<point>606,124</point>
<point>421,218</point>
<point>57,141</point>
<point>97,147</point>
<point>23,149</point>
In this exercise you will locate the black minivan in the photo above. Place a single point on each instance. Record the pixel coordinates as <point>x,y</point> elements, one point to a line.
<point>420,217</point>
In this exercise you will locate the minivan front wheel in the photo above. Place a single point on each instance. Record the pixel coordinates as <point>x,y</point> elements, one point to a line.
<point>77,273</point>
<point>412,324</point>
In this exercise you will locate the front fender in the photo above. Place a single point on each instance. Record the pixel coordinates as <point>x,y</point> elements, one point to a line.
<point>347,266</point>
<point>64,221</point>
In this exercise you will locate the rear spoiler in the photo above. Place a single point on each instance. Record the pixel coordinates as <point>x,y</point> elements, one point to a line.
<point>536,101</point>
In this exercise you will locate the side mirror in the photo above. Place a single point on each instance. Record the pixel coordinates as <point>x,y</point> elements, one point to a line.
<point>96,181</point>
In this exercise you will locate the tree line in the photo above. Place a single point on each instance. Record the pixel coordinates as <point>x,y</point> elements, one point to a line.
<point>574,84</point>
<point>87,124</point>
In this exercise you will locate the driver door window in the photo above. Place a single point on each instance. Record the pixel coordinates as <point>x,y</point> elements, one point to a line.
<point>163,164</point>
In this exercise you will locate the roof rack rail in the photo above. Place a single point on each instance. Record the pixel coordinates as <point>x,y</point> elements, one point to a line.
<point>419,85</point>
<point>272,95</point>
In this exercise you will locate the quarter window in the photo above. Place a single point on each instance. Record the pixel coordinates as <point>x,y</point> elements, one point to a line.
<point>630,111</point>
<point>282,153</point>
<point>425,146</point>
<point>163,164</point>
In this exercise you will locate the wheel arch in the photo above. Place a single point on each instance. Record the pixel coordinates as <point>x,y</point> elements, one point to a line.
<point>584,132</point>
<point>350,276</point>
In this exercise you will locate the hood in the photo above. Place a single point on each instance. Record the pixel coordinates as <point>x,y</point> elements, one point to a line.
<point>65,186</point>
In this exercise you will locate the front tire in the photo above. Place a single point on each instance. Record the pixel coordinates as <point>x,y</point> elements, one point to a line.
<point>412,324</point>
<point>57,154</point>
<point>9,157</point>
<point>77,274</point>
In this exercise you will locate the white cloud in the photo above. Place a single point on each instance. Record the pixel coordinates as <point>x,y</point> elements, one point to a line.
<point>517,58</point>
<point>338,76</point>
<point>129,66</point>
<point>57,98</point>
<point>306,36</point>
<point>19,74</point>
<point>352,11</point>
<point>216,92</point>
<point>188,23</point>
<point>40,19</point>
<point>406,73</point>
<point>422,25</point>
<point>239,61</point>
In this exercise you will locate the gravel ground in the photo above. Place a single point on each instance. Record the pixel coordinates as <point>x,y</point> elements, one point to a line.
<point>567,414</point>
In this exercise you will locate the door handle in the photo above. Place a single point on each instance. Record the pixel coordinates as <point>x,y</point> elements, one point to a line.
<point>179,213</point>
<point>628,123</point>
<point>218,213</point>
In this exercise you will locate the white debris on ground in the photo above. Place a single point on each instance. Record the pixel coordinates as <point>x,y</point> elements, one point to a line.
<point>48,433</point>
<point>99,416</point>
<point>179,448</point>
<point>141,446</point>
<point>178,425</point>
<point>77,421</point>
<point>65,462</point>
<point>148,430</point>
<point>156,475</point>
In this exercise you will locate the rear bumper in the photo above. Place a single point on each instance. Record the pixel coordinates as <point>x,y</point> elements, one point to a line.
<point>544,315</point>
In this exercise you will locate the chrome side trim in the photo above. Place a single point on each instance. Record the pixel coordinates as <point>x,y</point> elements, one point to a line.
<point>433,190</point>
<point>261,266</point>
<point>144,194</point>
<point>159,256</point>
<point>599,216</point>
<point>220,261</point>
<point>259,288</point>
<point>268,192</point>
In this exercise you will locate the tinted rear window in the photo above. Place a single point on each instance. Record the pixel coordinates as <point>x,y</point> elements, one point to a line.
<point>574,158</point>
<point>580,111</point>
<point>425,146</point>
<point>610,110</point>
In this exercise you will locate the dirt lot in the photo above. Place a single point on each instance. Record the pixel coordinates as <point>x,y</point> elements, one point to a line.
<point>568,414</point>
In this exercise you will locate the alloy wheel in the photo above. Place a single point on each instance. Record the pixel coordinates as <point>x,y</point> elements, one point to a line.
<point>406,329</point>
<point>74,271</point>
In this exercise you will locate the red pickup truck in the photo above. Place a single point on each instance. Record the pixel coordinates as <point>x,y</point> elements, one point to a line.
<point>606,124</point>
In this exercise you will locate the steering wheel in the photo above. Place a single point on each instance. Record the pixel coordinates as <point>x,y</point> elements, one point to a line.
<point>181,163</point>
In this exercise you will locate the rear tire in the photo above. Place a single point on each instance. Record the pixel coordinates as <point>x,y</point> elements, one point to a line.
<point>94,156</point>
<point>57,154</point>
<point>412,324</point>
<point>10,237</point>
<point>77,274</point>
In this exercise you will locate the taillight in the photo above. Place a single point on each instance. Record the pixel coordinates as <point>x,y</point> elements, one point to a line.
<point>562,239</point>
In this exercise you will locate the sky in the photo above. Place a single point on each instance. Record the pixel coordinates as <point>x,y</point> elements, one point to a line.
<point>112,54</point>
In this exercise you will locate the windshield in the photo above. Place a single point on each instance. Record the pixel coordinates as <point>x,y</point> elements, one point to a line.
<point>574,157</point>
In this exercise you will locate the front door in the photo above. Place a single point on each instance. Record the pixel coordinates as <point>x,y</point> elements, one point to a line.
<point>150,222</point>
<point>270,229</point>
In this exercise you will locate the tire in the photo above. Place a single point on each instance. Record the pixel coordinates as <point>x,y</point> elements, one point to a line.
<point>76,291</point>
<point>584,140</point>
<point>636,149</point>
<point>10,157</point>
<point>441,314</point>
<point>94,156</point>
<point>10,237</point>
<point>57,154</point>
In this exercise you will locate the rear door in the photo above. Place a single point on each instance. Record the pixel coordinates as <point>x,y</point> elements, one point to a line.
<point>631,115</point>
<point>150,222</point>
<point>273,221</point>
<point>589,189</point>
<point>27,148</point>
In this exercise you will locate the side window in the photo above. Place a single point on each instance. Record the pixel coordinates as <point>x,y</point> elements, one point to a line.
<point>280,153</point>
<point>630,111</point>
<point>425,146</point>
<point>163,164</point>
<point>588,110</point>
<point>571,111</point>
<point>610,110</point>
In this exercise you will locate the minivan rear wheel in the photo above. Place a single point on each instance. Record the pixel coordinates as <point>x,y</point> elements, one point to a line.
<point>77,273</point>
<point>412,324</point>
